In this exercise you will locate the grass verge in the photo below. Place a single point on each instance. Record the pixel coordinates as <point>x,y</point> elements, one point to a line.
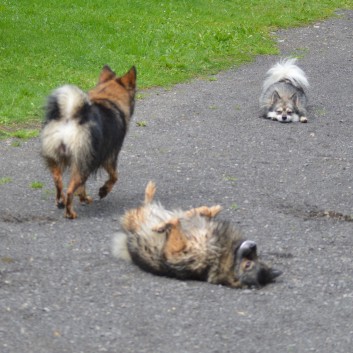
<point>44,44</point>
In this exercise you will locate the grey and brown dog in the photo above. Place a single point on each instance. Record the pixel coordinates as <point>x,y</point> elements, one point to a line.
<point>189,245</point>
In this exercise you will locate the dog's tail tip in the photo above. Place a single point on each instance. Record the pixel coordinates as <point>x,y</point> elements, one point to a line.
<point>288,61</point>
<point>70,94</point>
<point>286,69</point>
<point>65,102</point>
<point>119,247</point>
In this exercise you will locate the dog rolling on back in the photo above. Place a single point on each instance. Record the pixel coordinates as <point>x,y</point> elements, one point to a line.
<point>283,95</point>
<point>189,245</point>
<point>84,132</point>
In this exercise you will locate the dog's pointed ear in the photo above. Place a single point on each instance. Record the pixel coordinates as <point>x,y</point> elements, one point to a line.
<point>129,79</point>
<point>295,98</point>
<point>274,273</point>
<point>275,97</point>
<point>106,74</point>
<point>267,275</point>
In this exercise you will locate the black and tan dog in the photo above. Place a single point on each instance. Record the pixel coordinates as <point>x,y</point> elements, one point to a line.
<point>84,132</point>
<point>189,245</point>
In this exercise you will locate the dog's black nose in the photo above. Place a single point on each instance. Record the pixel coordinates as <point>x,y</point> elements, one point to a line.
<point>248,245</point>
<point>284,117</point>
<point>252,246</point>
<point>247,249</point>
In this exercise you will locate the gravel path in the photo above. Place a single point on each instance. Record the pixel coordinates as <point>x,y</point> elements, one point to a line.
<point>287,186</point>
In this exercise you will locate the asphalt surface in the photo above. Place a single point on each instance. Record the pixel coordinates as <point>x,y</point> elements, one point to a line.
<point>287,186</point>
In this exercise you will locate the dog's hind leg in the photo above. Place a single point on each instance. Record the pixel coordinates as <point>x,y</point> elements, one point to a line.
<point>81,193</point>
<point>110,167</point>
<point>133,218</point>
<point>76,182</point>
<point>56,172</point>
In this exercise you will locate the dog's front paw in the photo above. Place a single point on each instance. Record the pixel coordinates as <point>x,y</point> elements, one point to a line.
<point>214,210</point>
<point>60,204</point>
<point>303,119</point>
<point>209,212</point>
<point>204,211</point>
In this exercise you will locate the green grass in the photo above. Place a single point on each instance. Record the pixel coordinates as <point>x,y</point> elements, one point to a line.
<point>230,178</point>
<point>44,44</point>
<point>234,206</point>
<point>36,185</point>
<point>19,131</point>
<point>5,180</point>
<point>25,133</point>
<point>141,123</point>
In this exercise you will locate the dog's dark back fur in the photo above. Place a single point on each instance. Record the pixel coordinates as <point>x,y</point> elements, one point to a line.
<point>108,133</point>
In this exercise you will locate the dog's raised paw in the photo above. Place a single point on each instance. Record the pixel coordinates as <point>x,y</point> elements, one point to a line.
<point>103,192</point>
<point>209,211</point>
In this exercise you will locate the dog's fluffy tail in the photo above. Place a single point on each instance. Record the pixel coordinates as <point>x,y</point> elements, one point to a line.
<point>119,247</point>
<point>286,69</point>
<point>65,102</point>
<point>64,136</point>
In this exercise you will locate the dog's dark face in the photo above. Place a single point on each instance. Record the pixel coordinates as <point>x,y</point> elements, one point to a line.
<point>250,271</point>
